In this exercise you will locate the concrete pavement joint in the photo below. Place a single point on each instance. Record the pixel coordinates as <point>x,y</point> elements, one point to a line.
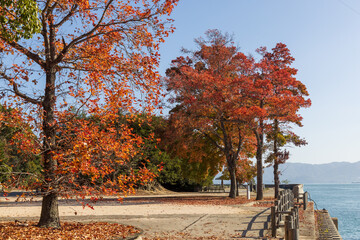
<point>195,222</point>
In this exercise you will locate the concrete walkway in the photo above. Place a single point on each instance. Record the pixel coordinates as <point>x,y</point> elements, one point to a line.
<point>252,225</point>
<point>162,220</point>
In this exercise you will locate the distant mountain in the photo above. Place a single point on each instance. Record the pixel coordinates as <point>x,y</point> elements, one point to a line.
<point>336,172</point>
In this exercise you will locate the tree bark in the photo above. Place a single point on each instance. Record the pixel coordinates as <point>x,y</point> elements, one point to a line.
<point>233,184</point>
<point>259,162</point>
<point>231,159</point>
<point>276,162</point>
<point>276,179</point>
<point>49,211</point>
<point>237,188</point>
<point>259,176</point>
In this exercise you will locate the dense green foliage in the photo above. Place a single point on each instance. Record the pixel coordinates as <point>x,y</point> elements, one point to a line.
<point>18,19</point>
<point>177,171</point>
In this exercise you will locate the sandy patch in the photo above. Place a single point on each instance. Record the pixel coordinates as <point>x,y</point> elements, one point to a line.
<point>132,210</point>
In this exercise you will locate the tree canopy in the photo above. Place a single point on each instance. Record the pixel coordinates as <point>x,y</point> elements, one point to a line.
<point>97,57</point>
<point>211,89</point>
<point>19,19</point>
<point>232,99</point>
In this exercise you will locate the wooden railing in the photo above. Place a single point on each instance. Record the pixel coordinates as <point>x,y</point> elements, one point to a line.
<point>285,213</point>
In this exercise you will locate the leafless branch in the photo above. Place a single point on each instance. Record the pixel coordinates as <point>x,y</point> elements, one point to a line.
<point>17,91</point>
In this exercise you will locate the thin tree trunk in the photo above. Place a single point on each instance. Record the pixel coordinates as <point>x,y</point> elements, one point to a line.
<point>259,162</point>
<point>259,176</point>
<point>237,188</point>
<point>276,178</point>
<point>259,133</point>
<point>276,162</point>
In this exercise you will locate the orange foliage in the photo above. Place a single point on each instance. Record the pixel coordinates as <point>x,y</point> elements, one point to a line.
<point>232,99</point>
<point>94,57</point>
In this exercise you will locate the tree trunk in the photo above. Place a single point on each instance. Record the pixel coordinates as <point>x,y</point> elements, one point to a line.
<point>49,211</point>
<point>276,178</point>
<point>259,162</point>
<point>233,184</point>
<point>237,188</point>
<point>276,162</point>
<point>232,172</point>
<point>259,176</point>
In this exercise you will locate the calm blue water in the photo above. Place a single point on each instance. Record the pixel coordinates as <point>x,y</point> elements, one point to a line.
<point>342,201</point>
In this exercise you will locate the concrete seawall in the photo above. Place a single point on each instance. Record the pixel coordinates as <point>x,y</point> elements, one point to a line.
<point>327,227</point>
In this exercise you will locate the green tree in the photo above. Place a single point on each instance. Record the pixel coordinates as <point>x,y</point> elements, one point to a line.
<point>180,170</point>
<point>19,19</point>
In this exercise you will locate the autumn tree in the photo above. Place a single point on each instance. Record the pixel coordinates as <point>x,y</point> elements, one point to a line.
<point>245,172</point>
<point>281,95</point>
<point>211,92</point>
<point>199,160</point>
<point>280,137</point>
<point>13,151</point>
<point>94,56</point>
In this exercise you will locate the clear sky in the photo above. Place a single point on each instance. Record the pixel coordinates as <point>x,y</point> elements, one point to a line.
<point>324,38</point>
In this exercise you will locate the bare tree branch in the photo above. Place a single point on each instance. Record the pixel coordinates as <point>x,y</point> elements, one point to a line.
<point>17,91</point>
<point>36,58</point>
<point>70,14</point>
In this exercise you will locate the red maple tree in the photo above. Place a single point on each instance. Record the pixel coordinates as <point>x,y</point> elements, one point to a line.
<point>212,94</point>
<point>287,96</point>
<point>233,100</point>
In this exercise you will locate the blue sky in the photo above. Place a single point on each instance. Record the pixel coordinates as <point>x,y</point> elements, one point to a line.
<point>324,38</point>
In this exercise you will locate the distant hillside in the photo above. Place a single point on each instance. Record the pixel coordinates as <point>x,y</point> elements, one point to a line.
<point>337,172</point>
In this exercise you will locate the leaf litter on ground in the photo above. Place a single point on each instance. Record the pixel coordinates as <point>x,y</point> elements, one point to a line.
<point>68,231</point>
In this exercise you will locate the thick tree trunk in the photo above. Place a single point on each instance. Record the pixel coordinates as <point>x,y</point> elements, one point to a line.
<point>233,184</point>
<point>49,211</point>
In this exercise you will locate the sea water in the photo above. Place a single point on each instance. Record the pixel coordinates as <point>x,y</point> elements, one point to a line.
<point>342,201</point>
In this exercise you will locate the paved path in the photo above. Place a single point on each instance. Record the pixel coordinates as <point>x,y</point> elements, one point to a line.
<point>163,220</point>
<point>252,225</point>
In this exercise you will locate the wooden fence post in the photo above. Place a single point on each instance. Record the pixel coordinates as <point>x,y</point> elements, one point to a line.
<point>305,199</point>
<point>289,225</point>
<point>296,232</point>
<point>273,221</point>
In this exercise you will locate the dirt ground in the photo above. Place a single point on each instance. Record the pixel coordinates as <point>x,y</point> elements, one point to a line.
<point>163,214</point>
